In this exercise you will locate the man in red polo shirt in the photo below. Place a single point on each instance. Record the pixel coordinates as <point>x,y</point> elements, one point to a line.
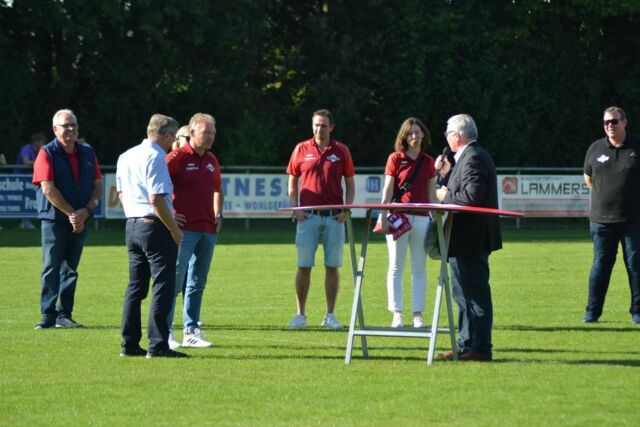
<point>69,189</point>
<point>197,196</point>
<point>321,162</point>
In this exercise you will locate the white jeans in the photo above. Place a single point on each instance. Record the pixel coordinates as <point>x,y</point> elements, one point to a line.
<point>397,253</point>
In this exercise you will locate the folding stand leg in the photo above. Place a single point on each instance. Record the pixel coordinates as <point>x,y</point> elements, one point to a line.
<point>356,309</point>
<point>354,267</point>
<point>443,282</point>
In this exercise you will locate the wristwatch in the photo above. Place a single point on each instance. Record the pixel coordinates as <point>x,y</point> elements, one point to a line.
<point>219,215</point>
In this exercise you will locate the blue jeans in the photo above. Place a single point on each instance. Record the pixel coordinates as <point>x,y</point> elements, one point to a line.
<point>194,259</point>
<point>472,294</point>
<point>605,248</point>
<point>61,251</point>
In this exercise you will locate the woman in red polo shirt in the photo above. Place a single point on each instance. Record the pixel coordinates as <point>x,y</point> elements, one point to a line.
<point>400,172</point>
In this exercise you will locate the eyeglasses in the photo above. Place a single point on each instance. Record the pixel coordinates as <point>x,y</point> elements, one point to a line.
<point>446,134</point>
<point>68,126</point>
<point>612,122</point>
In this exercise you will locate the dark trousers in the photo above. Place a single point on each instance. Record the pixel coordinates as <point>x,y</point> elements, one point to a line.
<point>61,251</point>
<point>605,248</point>
<point>472,294</point>
<point>152,253</point>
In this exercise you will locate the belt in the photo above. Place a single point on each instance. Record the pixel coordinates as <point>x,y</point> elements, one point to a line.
<point>145,219</point>
<point>326,212</point>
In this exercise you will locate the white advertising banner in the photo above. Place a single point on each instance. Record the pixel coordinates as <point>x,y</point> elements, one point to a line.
<point>254,195</point>
<point>545,195</point>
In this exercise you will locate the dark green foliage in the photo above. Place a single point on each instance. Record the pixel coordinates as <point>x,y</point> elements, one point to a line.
<point>535,75</point>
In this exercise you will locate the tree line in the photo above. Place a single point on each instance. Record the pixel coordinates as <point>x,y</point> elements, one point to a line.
<point>536,75</point>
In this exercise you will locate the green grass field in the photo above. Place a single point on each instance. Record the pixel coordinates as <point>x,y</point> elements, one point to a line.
<point>549,368</point>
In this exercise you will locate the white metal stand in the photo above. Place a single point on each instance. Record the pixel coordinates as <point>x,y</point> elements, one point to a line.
<point>430,333</point>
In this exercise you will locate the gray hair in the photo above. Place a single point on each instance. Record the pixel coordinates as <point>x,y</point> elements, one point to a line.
<point>64,111</point>
<point>159,124</point>
<point>464,124</point>
<point>615,109</point>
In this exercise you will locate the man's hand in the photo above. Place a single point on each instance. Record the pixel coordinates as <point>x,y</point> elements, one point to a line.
<point>341,217</point>
<point>79,216</point>
<point>181,220</point>
<point>299,216</point>
<point>218,225</point>
<point>441,193</point>
<point>77,228</point>
<point>177,236</point>
<point>442,165</point>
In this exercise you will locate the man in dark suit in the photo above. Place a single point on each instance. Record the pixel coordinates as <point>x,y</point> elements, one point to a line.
<point>473,236</point>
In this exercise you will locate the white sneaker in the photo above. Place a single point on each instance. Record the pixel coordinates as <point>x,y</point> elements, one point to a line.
<point>195,339</point>
<point>173,344</point>
<point>398,320</point>
<point>417,321</point>
<point>330,321</point>
<point>299,321</point>
<point>200,324</point>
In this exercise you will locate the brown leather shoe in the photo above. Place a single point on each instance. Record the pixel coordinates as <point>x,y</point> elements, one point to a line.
<point>474,356</point>
<point>448,355</point>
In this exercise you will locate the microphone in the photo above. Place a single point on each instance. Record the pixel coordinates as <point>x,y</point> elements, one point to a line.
<point>446,151</point>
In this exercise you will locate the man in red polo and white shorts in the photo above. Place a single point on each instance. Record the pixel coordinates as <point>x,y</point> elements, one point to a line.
<point>321,162</point>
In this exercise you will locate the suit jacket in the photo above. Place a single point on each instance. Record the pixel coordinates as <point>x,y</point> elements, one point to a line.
<point>473,182</point>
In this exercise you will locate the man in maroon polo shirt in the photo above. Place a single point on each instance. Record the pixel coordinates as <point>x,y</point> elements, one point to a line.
<point>197,196</point>
<point>321,162</point>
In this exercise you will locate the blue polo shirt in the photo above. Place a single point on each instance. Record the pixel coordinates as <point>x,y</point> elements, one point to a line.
<point>141,172</point>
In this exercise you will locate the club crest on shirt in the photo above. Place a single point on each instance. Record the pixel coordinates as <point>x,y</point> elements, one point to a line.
<point>333,158</point>
<point>210,167</point>
<point>602,158</point>
<point>191,167</point>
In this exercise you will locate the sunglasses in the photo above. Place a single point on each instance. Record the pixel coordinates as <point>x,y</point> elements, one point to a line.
<point>613,122</point>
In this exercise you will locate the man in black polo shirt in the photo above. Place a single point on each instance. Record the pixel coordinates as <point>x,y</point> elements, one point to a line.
<point>612,171</point>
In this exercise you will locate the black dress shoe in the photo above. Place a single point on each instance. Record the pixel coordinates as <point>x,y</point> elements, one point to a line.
<point>133,352</point>
<point>48,321</point>
<point>474,356</point>
<point>165,353</point>
<point>65,321</point>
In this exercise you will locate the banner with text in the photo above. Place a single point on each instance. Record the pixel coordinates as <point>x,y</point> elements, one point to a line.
<point>545,195</point>
<point>255,195</point>
<point>18,197</point>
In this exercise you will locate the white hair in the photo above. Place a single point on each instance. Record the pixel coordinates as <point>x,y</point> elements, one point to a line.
<point>64,111</point>
<point>464,124</point>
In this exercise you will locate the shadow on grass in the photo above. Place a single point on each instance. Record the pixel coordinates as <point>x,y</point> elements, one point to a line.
<point>561,350</point>
<point>635,363</point>
<point>584,328</point>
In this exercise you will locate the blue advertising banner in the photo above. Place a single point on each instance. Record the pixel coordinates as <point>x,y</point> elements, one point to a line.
<point>18,197</point>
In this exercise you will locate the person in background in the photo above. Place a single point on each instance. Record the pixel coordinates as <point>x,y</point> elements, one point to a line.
<point>612,172</point>
<point>409,178</point>
<point>152,235</point>
<point>25,160</point>
<point>182,138</point>
<point>473,182</point>
<point>69,184</point>
<point>318,165</point>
